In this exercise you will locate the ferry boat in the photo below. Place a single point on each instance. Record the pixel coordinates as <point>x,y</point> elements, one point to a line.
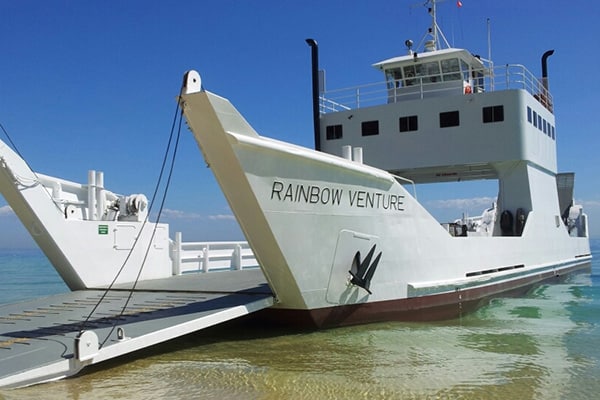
<point>338,230</point>
<point>336,234</point>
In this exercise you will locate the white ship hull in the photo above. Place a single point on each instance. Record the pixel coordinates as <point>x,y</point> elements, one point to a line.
<point>309,217</point>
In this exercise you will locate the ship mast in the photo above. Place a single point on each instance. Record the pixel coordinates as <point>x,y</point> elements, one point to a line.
<point>434,32</point>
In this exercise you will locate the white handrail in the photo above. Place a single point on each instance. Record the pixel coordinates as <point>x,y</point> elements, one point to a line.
<point>401,178</point>
<point>509,76</point>
<point>210,256</point>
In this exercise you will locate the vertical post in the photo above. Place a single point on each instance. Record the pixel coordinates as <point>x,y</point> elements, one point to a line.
<point>315,91</point>
<point>177,254</point>
<point>56,191</point>
<point>205,259</point>
<point>237,257</point>
<point>347,152</point>
<point>100,198</point>
<point>91,195</point>
<point>490,63</point>
<point>357,155</point>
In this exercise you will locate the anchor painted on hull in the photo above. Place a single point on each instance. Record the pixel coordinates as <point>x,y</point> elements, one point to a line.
<point>362,272</point>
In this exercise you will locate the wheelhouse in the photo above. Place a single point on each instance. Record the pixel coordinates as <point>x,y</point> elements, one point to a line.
<point>430,74</point>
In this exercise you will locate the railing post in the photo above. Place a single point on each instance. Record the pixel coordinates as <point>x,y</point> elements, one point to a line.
<point>236,261</point>
<point>177,254</point>
<point>205,258</point>
<point>91,195</point>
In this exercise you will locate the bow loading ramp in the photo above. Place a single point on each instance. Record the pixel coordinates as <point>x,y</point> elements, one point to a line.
<point>49,338</point>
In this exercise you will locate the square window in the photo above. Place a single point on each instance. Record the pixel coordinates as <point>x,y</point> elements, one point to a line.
<point>370,128</point>
<point>334,132</point>
<point>529,114</point>
<point>493,114</point>
<point>535,119</point>
<point>450,118</point>
<point>410,123</point>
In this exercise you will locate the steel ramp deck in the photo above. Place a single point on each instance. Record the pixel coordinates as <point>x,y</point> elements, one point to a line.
<point>38,338</point>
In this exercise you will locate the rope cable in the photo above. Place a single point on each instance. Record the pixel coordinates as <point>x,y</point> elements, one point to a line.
<point>162,203</point>
<point>152,202</point>
<point>177,120</point>
<point>21,179</point>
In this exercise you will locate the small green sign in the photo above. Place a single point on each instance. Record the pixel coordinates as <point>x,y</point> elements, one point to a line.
<point>102,229</point>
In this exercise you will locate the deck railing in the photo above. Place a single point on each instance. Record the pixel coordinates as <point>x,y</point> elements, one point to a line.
<point>506,77</point>
<point>191,257</point>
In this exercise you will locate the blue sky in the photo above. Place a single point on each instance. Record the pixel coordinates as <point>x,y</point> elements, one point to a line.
<point>92,85</point>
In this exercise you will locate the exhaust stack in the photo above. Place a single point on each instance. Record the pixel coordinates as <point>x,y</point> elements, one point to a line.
<point>545,68</point>
<point>315,91</point>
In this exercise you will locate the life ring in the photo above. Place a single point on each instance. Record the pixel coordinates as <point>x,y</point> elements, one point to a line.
<point>468,89</point>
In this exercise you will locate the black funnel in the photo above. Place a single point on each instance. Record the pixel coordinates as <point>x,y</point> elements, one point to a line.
<point>315,91</point>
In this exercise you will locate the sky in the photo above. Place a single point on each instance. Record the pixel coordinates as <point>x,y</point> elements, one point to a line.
<point>92,85</point>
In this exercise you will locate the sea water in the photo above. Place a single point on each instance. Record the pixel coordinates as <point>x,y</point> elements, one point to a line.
<point>545,345</point>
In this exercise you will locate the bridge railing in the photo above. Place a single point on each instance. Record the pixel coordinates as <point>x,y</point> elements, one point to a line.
<point>503,77</point>
<point>189,257</point>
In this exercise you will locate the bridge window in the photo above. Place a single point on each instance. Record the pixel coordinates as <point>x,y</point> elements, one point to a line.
<point>493,114</point>
<point>429,71</point>
<point>410,123</point>
<point>370,128</point>
<point>409,75</point>
<point>420,73</point>
<point>394,78</point>
<point>541,123</point>
<point>451,69</point>
<point>465,70</point>
<point>334,132</point>
<point>448,119</point>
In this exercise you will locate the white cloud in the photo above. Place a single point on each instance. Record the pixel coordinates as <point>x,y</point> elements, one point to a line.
<point>178,214</point>
<point>463,204</point>
<point>588,203</point>
<point>6,211</point>
<point>222,217</point>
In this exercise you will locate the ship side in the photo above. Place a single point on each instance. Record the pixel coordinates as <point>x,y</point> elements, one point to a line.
<point>339,232</point>
<point>343,242</point>
<point>92,236</point>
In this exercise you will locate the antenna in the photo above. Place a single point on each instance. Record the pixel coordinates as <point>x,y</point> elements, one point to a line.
<point>434,30</point>
<point>489,38</point>
<point>489,60</point>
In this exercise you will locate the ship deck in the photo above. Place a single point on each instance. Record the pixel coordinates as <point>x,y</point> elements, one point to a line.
<point>55,337</point>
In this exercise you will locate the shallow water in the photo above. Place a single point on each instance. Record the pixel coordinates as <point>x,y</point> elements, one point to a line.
<point>542,346</point>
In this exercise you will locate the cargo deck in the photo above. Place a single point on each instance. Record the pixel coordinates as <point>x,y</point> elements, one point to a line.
<point>55,337</point>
